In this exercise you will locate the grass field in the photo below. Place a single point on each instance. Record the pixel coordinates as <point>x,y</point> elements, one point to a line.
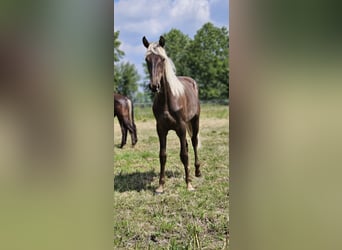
<point>177,219</point>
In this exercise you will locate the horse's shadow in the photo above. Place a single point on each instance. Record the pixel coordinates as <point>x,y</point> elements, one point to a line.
<point>139,181</point>
<point>118,146</point>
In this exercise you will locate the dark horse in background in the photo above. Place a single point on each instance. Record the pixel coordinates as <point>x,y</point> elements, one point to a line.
<point>176,107</point>
<point>123,109</point>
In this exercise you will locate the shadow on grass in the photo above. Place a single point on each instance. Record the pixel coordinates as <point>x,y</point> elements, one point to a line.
<point>127,145</point>
<point>139,180</point>
<point>134,182</point>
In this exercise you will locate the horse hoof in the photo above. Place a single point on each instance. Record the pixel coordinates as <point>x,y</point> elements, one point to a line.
<point>159,190</point>
<point>190,188</point>
<point>198,174</point>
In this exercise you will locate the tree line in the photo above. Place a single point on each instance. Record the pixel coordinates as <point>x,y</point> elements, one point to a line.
<point>205,58</point>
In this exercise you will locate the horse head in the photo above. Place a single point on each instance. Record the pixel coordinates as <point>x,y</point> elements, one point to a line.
<point>155,60</point>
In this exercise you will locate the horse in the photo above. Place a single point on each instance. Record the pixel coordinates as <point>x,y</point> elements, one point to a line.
<point>176,107</point>
<point>123,109</point>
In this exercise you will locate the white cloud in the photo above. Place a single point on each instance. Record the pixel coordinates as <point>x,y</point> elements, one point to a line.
<point>151,18</point>
<point>155,17</point>
<point>134,54</point>
<point>132,49</point>
<point>197,10</point>
<point>140,8</point>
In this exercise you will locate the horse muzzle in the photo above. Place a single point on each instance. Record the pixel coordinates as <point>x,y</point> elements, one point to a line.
<point>155,87</point>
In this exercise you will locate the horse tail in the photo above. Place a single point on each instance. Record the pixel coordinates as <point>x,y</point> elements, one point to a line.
<point>199,145</point>
<point>189,129</point>
<point>129,103</point>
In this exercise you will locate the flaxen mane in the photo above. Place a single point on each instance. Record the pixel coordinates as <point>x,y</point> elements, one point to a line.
<point>176,86</point>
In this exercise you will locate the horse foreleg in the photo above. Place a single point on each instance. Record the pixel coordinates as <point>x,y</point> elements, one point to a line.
<point>184,157</point>
<point>162,159</point>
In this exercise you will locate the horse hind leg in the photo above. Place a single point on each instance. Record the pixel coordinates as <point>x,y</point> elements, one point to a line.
<point>123,134</point>
<point>132,131</point>
<point>194,140</point>
<point>135,137</point>
<point>185,157</point>
<point>130,123</point>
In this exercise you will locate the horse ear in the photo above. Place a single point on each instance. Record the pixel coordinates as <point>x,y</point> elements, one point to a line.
<point>145,42</point>
<point>161,41</point>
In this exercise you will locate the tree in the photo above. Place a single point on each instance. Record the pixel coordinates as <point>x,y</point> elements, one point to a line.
<point>126,79</point>
<point>176,45</point>
<point>145,83</point>
<point>125,74</point>
<point>118,54</point>
<point>117,77</point>
<point>207,60</point>
<point>143,97</point>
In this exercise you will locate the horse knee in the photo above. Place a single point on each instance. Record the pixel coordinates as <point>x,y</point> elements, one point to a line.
<point>163,154</point>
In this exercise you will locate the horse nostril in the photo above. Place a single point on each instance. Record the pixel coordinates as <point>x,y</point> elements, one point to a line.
<point>153,88</point>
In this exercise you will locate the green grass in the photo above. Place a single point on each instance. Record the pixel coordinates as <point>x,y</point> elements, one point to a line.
<point>177,219</point>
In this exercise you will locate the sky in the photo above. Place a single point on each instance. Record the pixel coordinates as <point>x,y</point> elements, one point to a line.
<point>151,18</point>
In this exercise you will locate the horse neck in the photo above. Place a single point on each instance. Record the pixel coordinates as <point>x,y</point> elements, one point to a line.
<point>165,91</point>
<point>165,99</point>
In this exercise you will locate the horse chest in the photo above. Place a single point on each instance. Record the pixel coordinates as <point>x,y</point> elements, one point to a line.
<point>165,117</point>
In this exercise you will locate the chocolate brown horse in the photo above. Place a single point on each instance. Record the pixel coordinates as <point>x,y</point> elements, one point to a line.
<point>123,109</point>
<point>176,107</point>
